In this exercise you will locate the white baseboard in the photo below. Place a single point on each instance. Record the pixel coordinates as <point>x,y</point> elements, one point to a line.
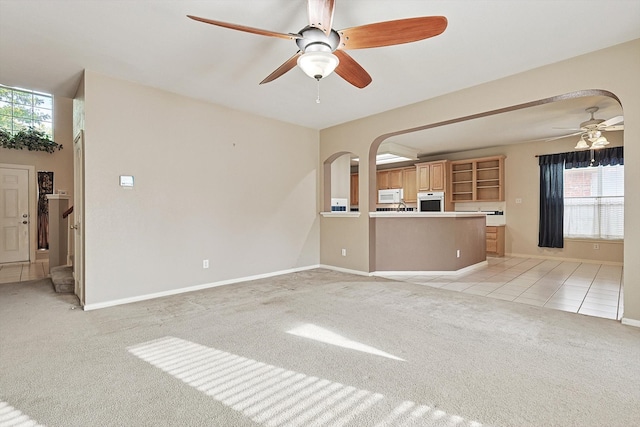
<point>345,270</point>
<point>431,273</point>
<point>112,303</point>
<point>631,322</point>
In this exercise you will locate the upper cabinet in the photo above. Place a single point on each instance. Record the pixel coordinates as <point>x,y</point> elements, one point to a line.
<point>432,176</point>
<point>354,189</point>
<point>389,179</point>
<point>409,182</point>
<point>478,180</point>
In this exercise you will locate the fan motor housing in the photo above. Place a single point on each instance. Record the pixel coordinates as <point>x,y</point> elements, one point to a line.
<point>314,39</point>
<point>591,124</point>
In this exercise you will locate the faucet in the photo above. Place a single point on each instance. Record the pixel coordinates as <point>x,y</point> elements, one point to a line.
<point>402,203</point>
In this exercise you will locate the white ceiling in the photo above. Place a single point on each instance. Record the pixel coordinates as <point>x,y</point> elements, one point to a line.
<point>45,45</point>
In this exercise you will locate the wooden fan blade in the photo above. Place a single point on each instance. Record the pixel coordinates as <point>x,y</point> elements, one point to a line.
<point>246,29</point>
<point>351,71</point>
<point>288,65</point>
<point>392,32</point>
<point>612,121</point>
<point>321,14</point>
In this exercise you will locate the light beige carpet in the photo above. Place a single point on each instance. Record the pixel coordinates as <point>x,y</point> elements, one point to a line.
<point>312,348</point>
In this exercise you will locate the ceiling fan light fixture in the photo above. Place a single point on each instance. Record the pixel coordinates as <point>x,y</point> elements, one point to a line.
<point>318,64</point>
<point>582,144</point>
<point>600,142</point>
<point>593,135</point>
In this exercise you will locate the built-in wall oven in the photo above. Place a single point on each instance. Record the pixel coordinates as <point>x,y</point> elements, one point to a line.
<point>431,202</point>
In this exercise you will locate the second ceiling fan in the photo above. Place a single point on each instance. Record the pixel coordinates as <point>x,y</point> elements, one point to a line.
<point>322,49</point>
<point>591,131</point>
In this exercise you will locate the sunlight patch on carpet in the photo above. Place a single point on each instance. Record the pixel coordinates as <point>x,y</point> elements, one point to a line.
<point>274,396</point>
<point>317,333</point>
<point>10,416</point>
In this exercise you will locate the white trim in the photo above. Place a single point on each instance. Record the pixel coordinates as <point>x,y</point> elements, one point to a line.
<point>345,270</point>
<point>556,258</point>
<point>431,273</point>
<point>340,214</point>
<point>112,303</point>
<point>631,322</point>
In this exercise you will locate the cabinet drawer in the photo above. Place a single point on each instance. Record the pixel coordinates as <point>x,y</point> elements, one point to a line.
<point>492,246</point>
<point>492,229</point>
<point>492,236</point>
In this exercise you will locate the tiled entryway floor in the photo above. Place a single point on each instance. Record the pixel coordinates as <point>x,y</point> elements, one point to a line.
<point>20,272</point>
<point>591,289</point>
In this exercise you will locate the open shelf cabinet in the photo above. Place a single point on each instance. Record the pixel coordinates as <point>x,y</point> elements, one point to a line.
<point>477,180</point>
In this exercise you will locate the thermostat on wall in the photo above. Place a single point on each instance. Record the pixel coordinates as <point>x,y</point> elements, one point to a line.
<point>126,181</point>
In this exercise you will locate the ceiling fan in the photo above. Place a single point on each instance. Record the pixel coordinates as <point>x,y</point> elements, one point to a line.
<point>592,129</point>
<point>322,49</point>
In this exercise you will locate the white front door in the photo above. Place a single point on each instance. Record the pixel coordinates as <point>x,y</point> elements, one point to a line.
<point>14,215</point>
<point>78,215</point>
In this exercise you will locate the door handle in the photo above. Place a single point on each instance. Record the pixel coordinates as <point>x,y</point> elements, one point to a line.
<point>24,215</point>
<point>24,222</point>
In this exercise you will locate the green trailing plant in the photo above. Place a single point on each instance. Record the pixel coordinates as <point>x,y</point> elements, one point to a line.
<point>30,138</point>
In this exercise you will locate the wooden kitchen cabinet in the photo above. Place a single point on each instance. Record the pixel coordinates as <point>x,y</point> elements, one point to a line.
<point>495,240</point>
<point>389,179</point>
<point>477,180</point>
<point>432,176</point>
<point>409,185</point>
<point>354,187</point>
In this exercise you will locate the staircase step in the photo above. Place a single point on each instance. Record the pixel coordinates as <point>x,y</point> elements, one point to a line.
<point>62,278</point>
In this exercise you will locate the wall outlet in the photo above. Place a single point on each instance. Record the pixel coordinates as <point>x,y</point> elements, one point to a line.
<point>596,246</point>
<point>458,253</point>
<point>205,263</point>
<point>344,252</point>
<point>518,201</point>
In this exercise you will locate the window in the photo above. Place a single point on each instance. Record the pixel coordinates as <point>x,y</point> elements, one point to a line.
<point>594,202</point>
<point>20,109</point>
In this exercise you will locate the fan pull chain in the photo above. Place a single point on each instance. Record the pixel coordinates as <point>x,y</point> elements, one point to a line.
<point>318,98</point>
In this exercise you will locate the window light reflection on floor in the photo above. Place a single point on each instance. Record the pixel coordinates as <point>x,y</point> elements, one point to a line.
<point>10,416</point>
<point>323,335</point>
<point>273,396</point>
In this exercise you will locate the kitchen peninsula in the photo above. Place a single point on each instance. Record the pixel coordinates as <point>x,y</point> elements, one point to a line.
<point>426,241</point>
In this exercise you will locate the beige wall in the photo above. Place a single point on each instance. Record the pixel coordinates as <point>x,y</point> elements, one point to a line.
<point>616,70</point>
<point>59,162</point>
<point>210,183</point>
<point>428,244</point>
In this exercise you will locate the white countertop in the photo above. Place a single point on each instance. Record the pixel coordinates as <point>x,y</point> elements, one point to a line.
<point>393,214</point>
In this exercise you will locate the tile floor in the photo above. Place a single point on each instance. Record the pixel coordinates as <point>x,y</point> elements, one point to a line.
<point>20,272</point>
<point>590,289</point>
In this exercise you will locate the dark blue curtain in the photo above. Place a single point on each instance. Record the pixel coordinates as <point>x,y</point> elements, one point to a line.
<point>550,230</point>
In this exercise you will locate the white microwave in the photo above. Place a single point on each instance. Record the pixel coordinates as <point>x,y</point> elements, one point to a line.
<point>431,202</point>
<point>390,196</point>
